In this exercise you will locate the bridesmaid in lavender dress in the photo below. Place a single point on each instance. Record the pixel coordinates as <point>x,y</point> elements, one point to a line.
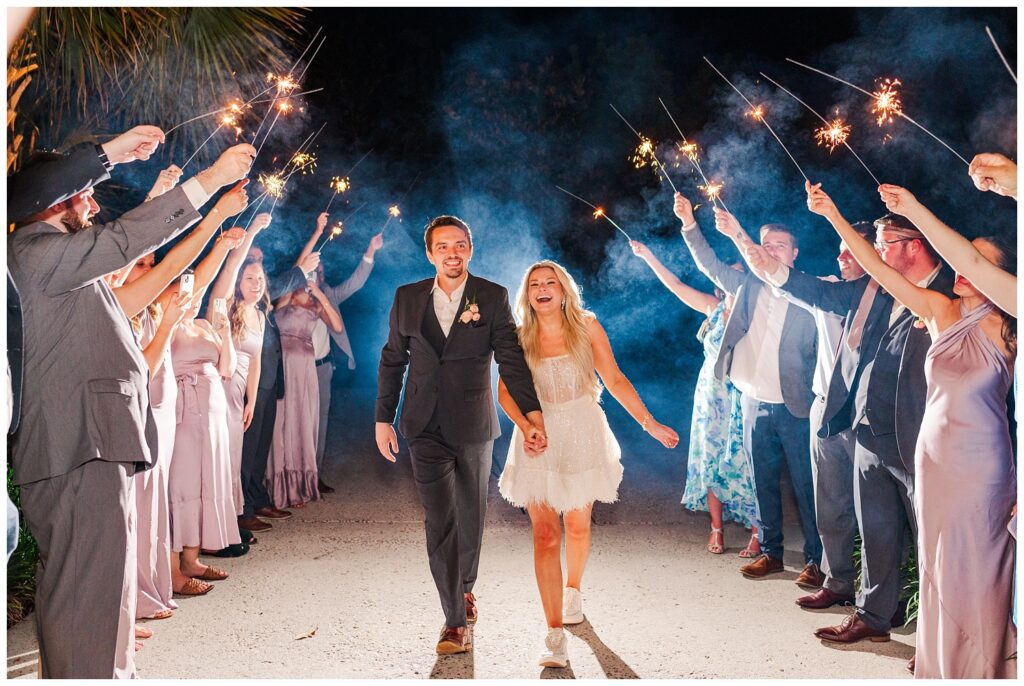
<point>291,467</point>
<point>965,479</point>
<point>202,505</point>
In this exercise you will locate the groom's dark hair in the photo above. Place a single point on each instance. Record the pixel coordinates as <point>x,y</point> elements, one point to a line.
<point>445,220</point>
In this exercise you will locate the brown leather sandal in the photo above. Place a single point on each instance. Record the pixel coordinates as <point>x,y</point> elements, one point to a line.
<point>194,587</point>
<point>211,573</point>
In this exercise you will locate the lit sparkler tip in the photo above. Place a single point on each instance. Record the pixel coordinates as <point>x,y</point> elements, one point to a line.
<point>339,184</point>
<point>598,213</point>
<point>304,161</point>
<point>284,83</point>
<point>689,149</point>
<point>394,211</point>
<point>712,190</point>
<point>887,102</point>
<point>757,112</point>
<point>337,229</point>
<point>832,134</point>
<point>645,150</point>
<point>273,184</point>
<point>284,106</point>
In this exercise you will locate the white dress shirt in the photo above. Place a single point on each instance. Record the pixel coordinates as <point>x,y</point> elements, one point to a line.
<point>830,331</point>
<point>321,340</point>
<point>755,360</point>
<point>447,308</point>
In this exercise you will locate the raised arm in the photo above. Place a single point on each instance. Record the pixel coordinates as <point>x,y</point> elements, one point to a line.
<point>926,304</point>
<point>328,312</point>
<point>344,290</point>
<point>723,276</point>
<point>622,390</point>
<point>691,297</point>
<point>155,350</point>
<point>137,295</point>
<point>224,286</point>
<point>321,222</point>
<point>997,285</point>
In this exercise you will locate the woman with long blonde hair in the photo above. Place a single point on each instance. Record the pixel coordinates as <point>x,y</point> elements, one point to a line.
<point>567,350</point>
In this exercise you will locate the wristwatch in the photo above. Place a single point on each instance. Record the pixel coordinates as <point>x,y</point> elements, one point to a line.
<point>102,154</point>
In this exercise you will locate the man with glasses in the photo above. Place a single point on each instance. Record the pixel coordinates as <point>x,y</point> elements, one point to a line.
<point>881,359</point>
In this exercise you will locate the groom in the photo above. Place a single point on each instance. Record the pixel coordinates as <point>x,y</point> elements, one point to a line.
<point>445,330</point>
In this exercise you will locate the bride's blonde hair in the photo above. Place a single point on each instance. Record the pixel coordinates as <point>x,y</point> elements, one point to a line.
<point>574,324</point>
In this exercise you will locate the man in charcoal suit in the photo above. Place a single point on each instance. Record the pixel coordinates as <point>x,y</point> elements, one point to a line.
<point>445,331</point>
<point>85,425</point>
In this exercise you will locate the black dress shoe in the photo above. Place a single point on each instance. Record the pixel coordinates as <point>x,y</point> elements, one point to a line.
<point>248,537</point>
<point>322,487</point>
<point>233,550</point>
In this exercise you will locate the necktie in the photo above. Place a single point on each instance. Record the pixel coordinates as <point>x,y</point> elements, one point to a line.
<point>857,327</point>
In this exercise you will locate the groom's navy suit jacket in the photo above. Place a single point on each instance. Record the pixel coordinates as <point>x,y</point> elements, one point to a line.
<point>453,374</point>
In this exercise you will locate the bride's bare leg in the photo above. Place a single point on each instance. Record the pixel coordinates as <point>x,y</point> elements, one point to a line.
<point>577,544</point>
<point>547,561</point>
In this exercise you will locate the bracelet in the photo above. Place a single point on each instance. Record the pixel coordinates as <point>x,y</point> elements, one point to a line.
<point>647,418</point>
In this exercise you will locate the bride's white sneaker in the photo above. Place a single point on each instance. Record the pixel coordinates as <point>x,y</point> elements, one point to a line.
<point>555,649</point>
<point>572,606</point>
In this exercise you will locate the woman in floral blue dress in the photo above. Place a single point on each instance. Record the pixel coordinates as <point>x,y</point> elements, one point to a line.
<point>718,477</point>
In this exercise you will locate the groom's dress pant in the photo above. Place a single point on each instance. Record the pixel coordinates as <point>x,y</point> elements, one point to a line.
<point>452,483</point>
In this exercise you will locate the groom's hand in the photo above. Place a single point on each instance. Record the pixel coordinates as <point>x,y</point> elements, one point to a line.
<point>535,436</point>
<point>387,440</point>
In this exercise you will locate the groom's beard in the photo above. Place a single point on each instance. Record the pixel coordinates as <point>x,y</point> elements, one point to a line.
<point>454,272</point>
<point>73,222</point>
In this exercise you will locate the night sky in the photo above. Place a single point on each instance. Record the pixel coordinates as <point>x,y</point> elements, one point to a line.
<point>486,110</point>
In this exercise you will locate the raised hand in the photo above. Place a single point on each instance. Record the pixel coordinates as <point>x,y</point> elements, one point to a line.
<point>818,201</point>
<point>232,165</point>
<point>179,306</point>
<point>759,259</point>
<point>640,250</point>
<point>260,222</point>
<point>234,201</point>
<point>321,223</point>
<point>897,199</point>
<point>991,171</point>
<point>310,262</point>
<point>376,243</point>
<point>683,209</point>
<point>387,440</point>
<point>137,143</point>
<point>165,181</point>
<point>231,239</point>
<point>727,224</point>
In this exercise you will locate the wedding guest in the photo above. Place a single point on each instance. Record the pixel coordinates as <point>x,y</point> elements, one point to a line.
<point>991,171</point>
<point>877,387</point>
<point>242,287</point>
<point>718,478</point>
<point>291,467</point>
<point>322,336</point>
<point>258,437</point>
<point>769,351</point>
<point>566,349</point>
<point>965,481</point>
<point>75,475</point>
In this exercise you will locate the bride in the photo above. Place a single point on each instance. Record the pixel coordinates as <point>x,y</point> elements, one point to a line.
<point>564,346</point>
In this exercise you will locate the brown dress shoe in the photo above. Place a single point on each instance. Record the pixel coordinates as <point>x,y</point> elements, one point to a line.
<point>852,629</point>
<point>454,639</point>
<point>811,578</point>
<point>253,524</point>
<point>823,599</point>
<point>273,513</point>
<point>471,612</point>
<point>761,567</point>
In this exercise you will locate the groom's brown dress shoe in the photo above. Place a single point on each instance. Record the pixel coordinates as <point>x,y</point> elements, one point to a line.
<point>852,630</point>
<point>273,513</point>
<point>454,639</point>
<point>823,599</point>
<point>761,567</point>
<point>471,612</point>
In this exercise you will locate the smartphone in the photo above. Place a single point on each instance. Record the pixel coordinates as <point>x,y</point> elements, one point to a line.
<point>187,283</point>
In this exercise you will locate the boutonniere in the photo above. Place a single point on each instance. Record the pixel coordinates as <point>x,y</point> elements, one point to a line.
<point>471,313</point>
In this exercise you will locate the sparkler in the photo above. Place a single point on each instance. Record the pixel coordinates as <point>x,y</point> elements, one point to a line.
<point>230,116</point>
<point>690,149</point>
<point>758,114</point>
<point>304,162</point>
<point>712,190</point>
<point>336,230</point>
<point>886,101</point>
<point>834,132</point>
<point>273,184</point>
<point>340,184</point>
<point>1000,53</point>
<point>647,149</point>
<point>393,213</point>
<point>599,212</point>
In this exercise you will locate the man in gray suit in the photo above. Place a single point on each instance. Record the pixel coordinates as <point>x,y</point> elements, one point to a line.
<point>769,351</point>
<point>878,388</point>
<point>322,337</point>
<point>85,425</point>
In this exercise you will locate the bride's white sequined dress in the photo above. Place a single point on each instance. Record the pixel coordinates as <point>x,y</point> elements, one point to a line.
<point>582,461</point>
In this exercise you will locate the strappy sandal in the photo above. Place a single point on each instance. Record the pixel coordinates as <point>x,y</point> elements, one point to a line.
<point>211,573</point>
<point>194,587</point>
<point>162,614</point>
<point>749,552</point>
<point>716,548</point>
<point>143,633</point>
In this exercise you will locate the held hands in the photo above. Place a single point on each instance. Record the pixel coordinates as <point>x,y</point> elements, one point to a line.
<point>640,250</point>
<point>321,223</point>
<point>535,438</point>
<point>260,222</point>
<point>897,199</point>
<point>137,143</point>
<point>165,181</point>
<point>991,171</point>
<point>234,201</point>
<point>387,440</point>
<point>683,210</point>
